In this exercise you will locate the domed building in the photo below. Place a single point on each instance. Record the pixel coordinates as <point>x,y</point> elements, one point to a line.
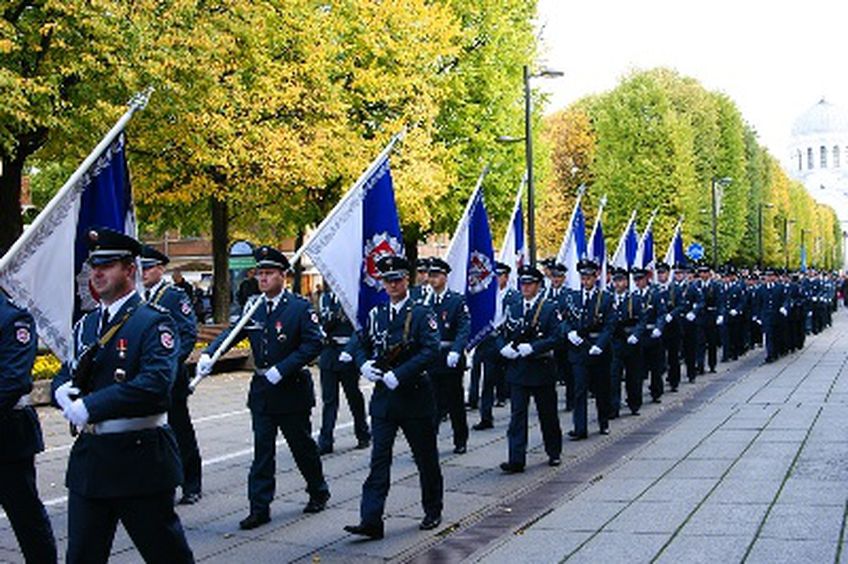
<point>818,156</point>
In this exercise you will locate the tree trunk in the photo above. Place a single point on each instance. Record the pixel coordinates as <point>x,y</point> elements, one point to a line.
<point>11,222</point>
<point>297,267</point>
<point>220,261</point>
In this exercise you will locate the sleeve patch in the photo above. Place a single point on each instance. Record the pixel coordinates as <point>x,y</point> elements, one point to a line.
<point>432,322</point>
<point>167,339</point>
<point>23,336</point>
<point>314,317</point>
<point>185,308</point>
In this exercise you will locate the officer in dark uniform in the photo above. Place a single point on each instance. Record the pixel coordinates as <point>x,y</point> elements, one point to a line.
<point>394,349</point>
<point>693,327</point>
<point>421,289</point>
<point>729,318</point>
<point>285,336</point>
<point>157,291</point>
<point>556,293</point>
<point>798,306</point>
<point>20,436</point>
<point>711,291</point>
<point>337,368</point>
<point>530,333</point>
<point>588,326</point>
<point>654,308</point>
<point>626,345</point>
<point>672,297</point>
<point>125,463</point>
<point>494,365</point>
<point>771,309</point>
<point>447,371</point>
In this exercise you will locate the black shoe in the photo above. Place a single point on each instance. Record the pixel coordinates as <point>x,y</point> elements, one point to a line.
<point>605,431</point>
<point>674,389</point>
<point>483,425</point>
<point>712,370</point>
<point>656,400</point>
<point>575,436</point>
<point>634,412</point>
<point>554,461</point>
<point>189,498</point>
<point>470,406</point>
<point>322,450</point>
<point>254,520</point>
<point>614,415</point>
<point>362,444</point>
<point>371,531</point>
<point>460,449</point>
<point>500,404</point>
<point>430,522</point>
<point>317,503</point>
<point>512,467</point>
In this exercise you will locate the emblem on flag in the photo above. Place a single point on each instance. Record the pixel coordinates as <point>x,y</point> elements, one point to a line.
<point>379,246</point>
<point>480,272</point>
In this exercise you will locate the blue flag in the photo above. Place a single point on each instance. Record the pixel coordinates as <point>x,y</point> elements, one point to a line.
<point>472,261</point>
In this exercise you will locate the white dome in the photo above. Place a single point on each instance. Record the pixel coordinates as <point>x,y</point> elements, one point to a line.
<point>824,117</point>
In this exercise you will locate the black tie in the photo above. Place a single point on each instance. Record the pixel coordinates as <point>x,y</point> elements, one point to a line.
<point>104,321</point>
<point>147,295</point>
<point>269,305</point>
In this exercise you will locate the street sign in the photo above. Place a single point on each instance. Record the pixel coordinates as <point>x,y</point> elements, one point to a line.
<point>695,251</point>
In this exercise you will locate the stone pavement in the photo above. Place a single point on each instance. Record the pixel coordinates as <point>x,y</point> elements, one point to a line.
<point>745,462</point>
<point>757,473</point>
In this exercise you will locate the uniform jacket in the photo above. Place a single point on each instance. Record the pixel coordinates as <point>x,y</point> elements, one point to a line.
<point>593,320</point>
<point>630,320</point>
<point>539,327</point>
<point>454,327</point>
<point>337,329</point>
<point>178,304</point>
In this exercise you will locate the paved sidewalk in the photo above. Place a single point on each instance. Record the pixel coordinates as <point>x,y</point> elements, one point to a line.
<point>757,473</point>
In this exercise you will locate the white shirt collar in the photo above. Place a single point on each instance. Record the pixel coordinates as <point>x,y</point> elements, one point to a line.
<point>398,306</point>
<point>155,288</point>
<point>116,306</point>
<point>275,301</point>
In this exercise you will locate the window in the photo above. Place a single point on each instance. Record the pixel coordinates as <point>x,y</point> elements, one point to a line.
<point>823,158</point>
<point>836,163</point>
<point>809,157</point>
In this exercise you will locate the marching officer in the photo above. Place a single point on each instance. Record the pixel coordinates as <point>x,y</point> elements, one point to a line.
<point>158,292</point>
<point>448,369</point>
<point>285,336</point>
<point>672,297</point>
<point>125,463</point>
<point>21,433</point>
<point>394,349</point>
<point>729,320</point>
<point>755,331</point>
<point>530,333</point>
<point>557,293</point>
<point>771,309</point>
<point>494,365</point>
<point>712,298</point>
<point>654,308</point>
<point>693,326</point>
<point>337,369</point>
<point>626,344</point>
<point>588,326</point>
<point>421,289</point>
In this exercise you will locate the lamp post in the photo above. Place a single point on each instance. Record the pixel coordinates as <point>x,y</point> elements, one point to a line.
<point>723,182</point>
<point>803,251</point>
<point>760,232</point>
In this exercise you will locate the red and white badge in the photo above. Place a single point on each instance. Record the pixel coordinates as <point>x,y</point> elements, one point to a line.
<point>314,318</point>
<point>23,335</point>
<point>167,340</point>
<point>433,324</point>
<point>185,308</point>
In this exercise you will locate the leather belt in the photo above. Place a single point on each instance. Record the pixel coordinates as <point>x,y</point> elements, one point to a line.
<point>23,402</point>
<point>445,344</point>
<point>651,326</point>
<point>594,335</point>
<point>126,425</point>
<point>712,309</point>
<point>341,340</point>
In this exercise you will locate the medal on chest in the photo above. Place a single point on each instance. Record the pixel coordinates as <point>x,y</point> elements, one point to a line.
<point>278,327</point>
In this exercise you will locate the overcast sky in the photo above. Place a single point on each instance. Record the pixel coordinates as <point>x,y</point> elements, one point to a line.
<point>775,59</point>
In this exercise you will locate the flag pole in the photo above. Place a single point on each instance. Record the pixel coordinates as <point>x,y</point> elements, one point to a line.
<point>563,248</point>
<point>137,102</point>
<point>515,207</point>
<point>254,305</point>
<point>471,199</point>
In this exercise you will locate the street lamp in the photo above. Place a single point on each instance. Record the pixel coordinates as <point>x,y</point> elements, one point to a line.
<point>760,232</point>
<point>722,182</point>
<point>802,258</point>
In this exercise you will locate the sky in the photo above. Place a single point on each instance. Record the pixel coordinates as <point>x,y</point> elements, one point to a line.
<point>774,59</point>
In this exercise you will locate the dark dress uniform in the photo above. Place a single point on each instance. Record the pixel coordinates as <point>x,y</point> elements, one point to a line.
<point>557,296</point>
<point>411,330</point>
<point>590,315</point>
<point>334,373</point>
<point>771,307</point>
<point>731,308</point>
<point>494,365</point>
<point>20,436</point>
<point>533,376</point>
<point>125,465</point>
<point>672,297</point>
<point>654,308</point>
<point>285,336</point>
<point>711,291</point>
<point>755,330</point>
<point>177,302</point>
<point>693,327</point>
<point>454,329</point>
<point>626,355</point>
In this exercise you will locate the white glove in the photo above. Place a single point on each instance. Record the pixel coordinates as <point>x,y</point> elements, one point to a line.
<point>390,380</point>
<point>369,372</point>
<point>595,350</point>
<point>690,316</point>
<point>809,314</point>
<point>453,359</point>
<point>719,320</point>
<point>64,393</point>
<point>669,318</point>
<point>656,333</point>
<point>509,352</point>
<point>204,365</point>
<point>633,339</point>
<point>525,349</point>
<point>733,313</point>
<point>758,322</point>
<point>273,375</point>
<point>77,413</point>
<point>345,357</point>
<point>783,312</point>
<point>575,339</point>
